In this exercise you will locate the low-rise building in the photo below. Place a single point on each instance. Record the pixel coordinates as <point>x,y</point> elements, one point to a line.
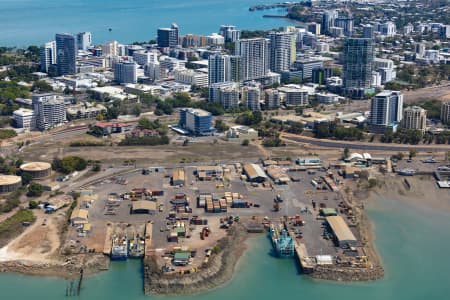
<point>79,216</point>
<point>24,118</point>
<point>111,127</point>
<point>295,96</point>
<point>254,173</point>
<point>277,174</point>
<point>327,98</point>
<point>343,236</point>
<point>309,161</point>
<point>240,133</point>
<point>197,121</point>
<point>85,111</point>
<point>110,93</point>
<point>178,177</point>
<point>191,77</point>
<point>209,172</point>
<point>143,207</point>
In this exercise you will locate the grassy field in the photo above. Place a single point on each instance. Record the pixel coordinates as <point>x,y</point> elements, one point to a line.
<point>13,227</point>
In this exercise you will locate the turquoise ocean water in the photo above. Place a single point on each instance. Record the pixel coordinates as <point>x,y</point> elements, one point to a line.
<point>414,246</point>
<point>25,22</point>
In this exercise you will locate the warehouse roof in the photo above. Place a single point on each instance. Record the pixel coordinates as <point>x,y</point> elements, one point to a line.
<point>254,170</point>
<point>340,229</point>
<point>79,213</point>
<point>182,255</point>
<point>209,168</point>
<point>144,205</point>
<point>178,174</point>
<point>277,174</point>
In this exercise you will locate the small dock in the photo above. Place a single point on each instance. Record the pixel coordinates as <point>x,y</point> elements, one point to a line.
<point>148,238</point>
<point>107,245</point>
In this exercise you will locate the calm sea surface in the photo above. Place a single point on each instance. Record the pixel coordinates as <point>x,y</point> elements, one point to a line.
<point>414,245</point>
<point>25,22</point>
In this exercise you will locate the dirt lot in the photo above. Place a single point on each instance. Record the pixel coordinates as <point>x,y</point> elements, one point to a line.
<point>143,155</point>
<point>40,241</point>
<point>441,92</point>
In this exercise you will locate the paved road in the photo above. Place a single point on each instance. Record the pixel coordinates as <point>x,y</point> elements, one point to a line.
<point>364,146</point>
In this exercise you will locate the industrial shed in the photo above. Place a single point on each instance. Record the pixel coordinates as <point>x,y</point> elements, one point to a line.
<point>209,172</point>
<point>178,177</point>
<point>143,207</point>
<point>79,216</point>
<point>254,173</point>
<point>328,212</point>
<point>343,236</point>
<point>277,174</point>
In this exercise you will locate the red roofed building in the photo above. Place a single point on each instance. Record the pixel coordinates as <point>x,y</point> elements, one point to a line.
<point>113,127</point>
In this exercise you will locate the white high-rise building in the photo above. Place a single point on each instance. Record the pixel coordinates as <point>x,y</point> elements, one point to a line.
<point>154,71</point>
<point>215,39</point>
<point>230,33</point>
<point>420,49</point>
<point>408,29</point>
<point>48,55</point>
<point>255,57</point>
<point>111,48</point>
<point>328,19</point>
<point>143,58</point>
<point>223,68</point>
<point>388,29</point>
<point>282,51</point>
<point>84,40</point>
<point>386,109</point>
<point>49,110</point>
<point>125,72</point>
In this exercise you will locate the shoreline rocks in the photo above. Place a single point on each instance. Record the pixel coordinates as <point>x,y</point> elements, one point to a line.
<point>70,268</point>
<point>336,273</point>
<point>220,269</point>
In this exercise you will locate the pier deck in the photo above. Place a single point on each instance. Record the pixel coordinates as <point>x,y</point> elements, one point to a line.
<point>305,261</point>
<point>107,246</point>
<point>148,238</point>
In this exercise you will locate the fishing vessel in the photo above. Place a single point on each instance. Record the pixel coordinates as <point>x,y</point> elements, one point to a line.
<point>282,242</point>
<point>136,247</point>
<point>119,249</point>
